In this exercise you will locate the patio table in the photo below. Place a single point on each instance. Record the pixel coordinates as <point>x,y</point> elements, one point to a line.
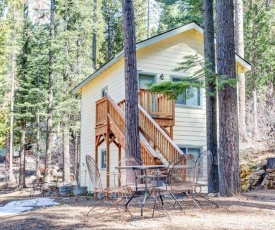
<point>145,176</point>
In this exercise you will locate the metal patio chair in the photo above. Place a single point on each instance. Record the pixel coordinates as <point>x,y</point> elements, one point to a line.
<point>181,178</point>
<point>108,193</point>
<point>203,177</point>
<point>130,179</point>
<point>134,182</point>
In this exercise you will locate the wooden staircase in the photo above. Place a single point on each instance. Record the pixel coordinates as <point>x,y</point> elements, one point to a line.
<point>156,121</point>
<point>110,122</point>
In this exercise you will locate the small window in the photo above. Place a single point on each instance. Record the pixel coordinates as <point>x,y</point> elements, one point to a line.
<point>190,97</point>
<point>194,151</point>
<point>104,91</point>
<point>103,159</point>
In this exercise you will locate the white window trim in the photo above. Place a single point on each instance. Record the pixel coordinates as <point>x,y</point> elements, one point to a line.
<point>188,106</point>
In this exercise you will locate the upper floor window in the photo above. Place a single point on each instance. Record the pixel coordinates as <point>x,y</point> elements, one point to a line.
<point>190,97</point>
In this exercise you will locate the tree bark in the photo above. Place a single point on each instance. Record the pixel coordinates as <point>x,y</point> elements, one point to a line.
<point>10,146</point>
<point>76,157</point>
<point>38,174</point>
<point>50,105</point>
<point>255,116</point>
<point>211,101</point>
<point>12,74</point>
<point>94,36</point>
<point>109,41</point>
<point>131,86</point>
<point>228,118</point>
<point>240,51</point>
<point>66,155</point>
<point>22,181</point>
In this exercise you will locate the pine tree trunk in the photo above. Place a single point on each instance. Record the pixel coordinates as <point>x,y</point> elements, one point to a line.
<point>94,36</point>
<point>240,51</point>
<point>211,101</point>
<point>255,116</point>
<point>131,86</point>
<point>228,118</point>
<point>109,42</point>
<point>66,155</point>
<point>76,157</point>
<point>50,105</point>
<point>38,174</point>
<point>10,145</point>
<point>22,171</point>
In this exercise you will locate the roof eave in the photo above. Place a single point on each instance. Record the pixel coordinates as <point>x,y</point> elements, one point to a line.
<point>151,41</point>
<point>95,74</point>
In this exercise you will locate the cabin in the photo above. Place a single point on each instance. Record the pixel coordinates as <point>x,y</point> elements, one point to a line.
<point>167,127</point>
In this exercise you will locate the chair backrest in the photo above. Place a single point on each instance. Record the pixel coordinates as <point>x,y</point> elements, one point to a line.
<point>128,177</point>
<point>182,169</point>
<point>205,158</point>
<point>94,174</point>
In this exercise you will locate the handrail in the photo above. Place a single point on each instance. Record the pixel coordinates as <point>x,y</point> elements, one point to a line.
<point>116,114</point>
<point>149,155</point>
<point>155,104</point>
<point>160,139</point>
<point>101,111</point>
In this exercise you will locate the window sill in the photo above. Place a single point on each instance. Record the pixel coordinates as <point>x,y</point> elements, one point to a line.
<point>188,106</point>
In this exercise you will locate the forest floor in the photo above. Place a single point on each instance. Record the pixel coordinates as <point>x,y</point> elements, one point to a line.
<point>253,210</point>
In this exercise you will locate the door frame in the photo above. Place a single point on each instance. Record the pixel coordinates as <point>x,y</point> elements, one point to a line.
<point>147,73</point>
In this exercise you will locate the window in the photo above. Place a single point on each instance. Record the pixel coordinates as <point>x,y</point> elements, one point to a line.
<point>191,96</point>
<point>194,151</point>
<point>104,91</point>
<point>103,159</point>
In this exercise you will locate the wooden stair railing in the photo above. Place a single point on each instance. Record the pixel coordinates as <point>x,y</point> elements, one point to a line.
<point>101,112</point>
<point>154,133</point>
<point>156,104</point>
<point>117,120</point>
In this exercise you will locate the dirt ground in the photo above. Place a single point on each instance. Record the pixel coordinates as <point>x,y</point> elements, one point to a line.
<point>254,210</point>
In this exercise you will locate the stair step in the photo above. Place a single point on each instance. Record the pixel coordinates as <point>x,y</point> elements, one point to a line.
<point>161,158</point>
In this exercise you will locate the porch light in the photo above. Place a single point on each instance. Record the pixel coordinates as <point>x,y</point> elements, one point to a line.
<point>161,77</point>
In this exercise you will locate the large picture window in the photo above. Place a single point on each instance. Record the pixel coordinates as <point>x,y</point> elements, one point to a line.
<point>190,97</point>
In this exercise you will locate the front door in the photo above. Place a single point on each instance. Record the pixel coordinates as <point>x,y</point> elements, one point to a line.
<point>144,80</point>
